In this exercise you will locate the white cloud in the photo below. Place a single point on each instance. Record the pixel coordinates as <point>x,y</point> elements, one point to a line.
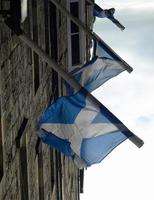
<point>122,176</point>
<point>127,173</point>
<point>125,95</point>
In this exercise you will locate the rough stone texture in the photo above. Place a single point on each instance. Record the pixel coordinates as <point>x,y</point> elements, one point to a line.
<point>18,101</point>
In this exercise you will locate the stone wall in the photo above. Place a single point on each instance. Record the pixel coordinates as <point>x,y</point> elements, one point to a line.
<point>32,170</point>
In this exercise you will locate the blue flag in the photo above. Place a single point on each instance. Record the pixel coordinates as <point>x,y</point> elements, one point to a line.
<point>81,129</point>
<point>96,72</point>
<point>107,13</point>
<point>104,65</point>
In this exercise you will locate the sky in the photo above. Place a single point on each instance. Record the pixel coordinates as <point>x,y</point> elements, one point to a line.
<point>128,172</point>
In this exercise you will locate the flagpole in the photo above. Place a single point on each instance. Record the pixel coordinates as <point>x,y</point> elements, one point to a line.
<point>50,62</point>
<point>89,32</point>
<point>65,75</point>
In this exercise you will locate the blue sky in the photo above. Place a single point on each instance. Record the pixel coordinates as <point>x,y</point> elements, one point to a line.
<point>128,172</point>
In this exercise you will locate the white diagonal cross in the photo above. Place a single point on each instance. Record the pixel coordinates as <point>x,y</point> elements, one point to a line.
<point>82,127</point>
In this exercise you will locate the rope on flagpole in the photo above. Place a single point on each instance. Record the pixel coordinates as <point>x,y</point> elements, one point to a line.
<point>89,32</point>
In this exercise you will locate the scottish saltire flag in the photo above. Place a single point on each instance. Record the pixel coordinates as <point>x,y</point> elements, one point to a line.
<point>96,72</point>
<point>108,13</point>
<point>81,129</point>
<point>104,65</point>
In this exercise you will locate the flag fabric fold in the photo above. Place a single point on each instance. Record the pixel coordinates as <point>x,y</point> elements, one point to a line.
<point>104,65</point>
<point>101,49</point>
<point>107,13</point>
<point>81,129</point>
<point>96,72</point>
